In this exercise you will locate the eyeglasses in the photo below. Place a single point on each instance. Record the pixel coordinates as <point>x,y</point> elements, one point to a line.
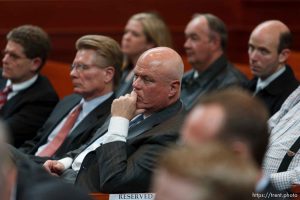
<point>82,67</point>
<point>13,55</point>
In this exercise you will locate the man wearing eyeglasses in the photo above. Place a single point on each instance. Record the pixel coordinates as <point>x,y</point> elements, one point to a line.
<point>26,97</point>
<point>94,74</point>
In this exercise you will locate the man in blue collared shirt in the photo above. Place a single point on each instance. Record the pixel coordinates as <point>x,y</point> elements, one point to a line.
<point>94,74</point>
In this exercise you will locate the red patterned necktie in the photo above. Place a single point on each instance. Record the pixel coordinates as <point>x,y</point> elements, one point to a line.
<point>60,137</point>
<point>3,95</point>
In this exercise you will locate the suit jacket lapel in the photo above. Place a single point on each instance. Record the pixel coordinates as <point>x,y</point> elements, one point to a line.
<point>143,126</point>
<point>101,131</point>
<point>2,81</point>
<point>154,120</point>
<point>57,118</point>
<point>92,117</point>
<point>252,84</point>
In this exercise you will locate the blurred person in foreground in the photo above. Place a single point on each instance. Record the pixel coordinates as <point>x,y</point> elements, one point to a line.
<point>237,118</point>
<point>24,181</point>
<point>208,172</point>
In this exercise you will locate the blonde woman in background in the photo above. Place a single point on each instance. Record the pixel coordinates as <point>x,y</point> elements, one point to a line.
<point>143,31</point>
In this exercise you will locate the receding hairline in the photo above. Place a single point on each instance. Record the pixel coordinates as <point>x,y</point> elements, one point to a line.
<point>272,25</point>
<point>167,58</point>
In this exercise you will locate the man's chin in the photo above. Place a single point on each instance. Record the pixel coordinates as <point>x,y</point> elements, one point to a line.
<point>140,105</point>
<point>4,72</point>
<point>77,91</point>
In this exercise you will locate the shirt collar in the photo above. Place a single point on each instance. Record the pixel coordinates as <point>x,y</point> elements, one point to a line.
<point>88,106</point>
<point>22,86</point>
<point>264,83</point>
<point>196,74</point>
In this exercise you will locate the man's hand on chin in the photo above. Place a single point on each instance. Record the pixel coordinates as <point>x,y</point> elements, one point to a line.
<point>125,106</point>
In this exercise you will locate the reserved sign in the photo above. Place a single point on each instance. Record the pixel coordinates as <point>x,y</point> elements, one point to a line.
<point>132,196</point>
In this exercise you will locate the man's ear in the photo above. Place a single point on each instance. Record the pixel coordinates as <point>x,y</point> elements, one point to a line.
<point>284,55</point>
<point>215,42</point>
<point>174,88</point>
<point>109,74</point>
<point>36,63</point>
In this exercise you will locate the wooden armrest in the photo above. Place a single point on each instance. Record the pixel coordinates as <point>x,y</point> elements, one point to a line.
<point>99,196</point>
<point>295,188</point>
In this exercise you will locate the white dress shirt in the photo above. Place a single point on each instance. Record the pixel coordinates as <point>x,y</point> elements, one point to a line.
<point>17,87</point>
<point>117,131</point>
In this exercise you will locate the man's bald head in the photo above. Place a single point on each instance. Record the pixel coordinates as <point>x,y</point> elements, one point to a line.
<point>168,60</point>
<point>269,48</point>
<point>158,73</point>
<point>276,29</point>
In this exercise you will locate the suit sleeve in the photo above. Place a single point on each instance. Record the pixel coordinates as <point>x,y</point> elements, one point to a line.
<point>129,169</point>
<point>74,153</point>
<point>29,145</point>
<point>24,124</point>
<point>37,104</point>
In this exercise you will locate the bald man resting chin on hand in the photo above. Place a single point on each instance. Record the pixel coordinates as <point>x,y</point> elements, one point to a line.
<point>122,154</point>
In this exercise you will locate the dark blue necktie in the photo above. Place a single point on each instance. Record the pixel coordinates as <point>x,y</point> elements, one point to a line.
<point>136,120</point>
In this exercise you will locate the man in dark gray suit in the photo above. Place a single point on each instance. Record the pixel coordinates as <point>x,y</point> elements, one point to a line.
<point>121,157</point>
<point>95,74</point>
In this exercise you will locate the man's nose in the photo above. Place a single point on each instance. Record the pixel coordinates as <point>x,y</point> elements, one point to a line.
<point>136,84</point>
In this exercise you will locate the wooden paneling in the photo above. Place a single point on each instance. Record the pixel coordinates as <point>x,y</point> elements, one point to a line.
<point>59,75</point>
<point>67,20</point>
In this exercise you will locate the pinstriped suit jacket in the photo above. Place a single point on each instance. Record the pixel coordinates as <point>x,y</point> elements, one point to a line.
<point>127,166</point>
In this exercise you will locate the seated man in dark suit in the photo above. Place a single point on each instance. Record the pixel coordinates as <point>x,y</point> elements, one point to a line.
<point>95,74</point>
<point>24,181</point>
<point>27,98</point>
<point>269,49</point>
<point>235,117</point>
<point>205,46</point>
<point>121,158</point>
